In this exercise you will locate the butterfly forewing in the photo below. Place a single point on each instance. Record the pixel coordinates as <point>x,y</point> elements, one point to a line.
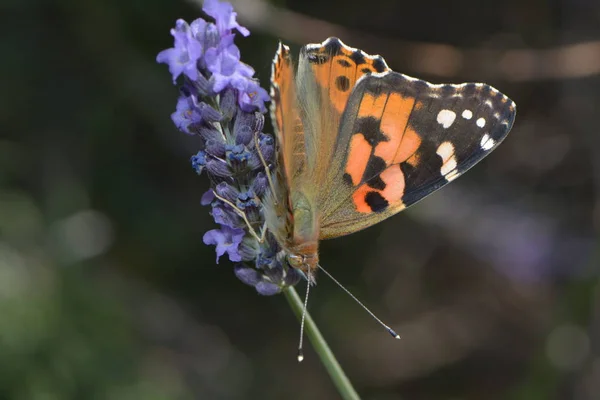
<point>461,125</point>
<point>402,138</point>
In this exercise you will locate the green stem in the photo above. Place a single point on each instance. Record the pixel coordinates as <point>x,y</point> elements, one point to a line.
<point>339,378</point>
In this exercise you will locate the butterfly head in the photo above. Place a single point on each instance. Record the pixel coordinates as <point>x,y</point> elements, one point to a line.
<point>304,262</point>
<point>304,257</point>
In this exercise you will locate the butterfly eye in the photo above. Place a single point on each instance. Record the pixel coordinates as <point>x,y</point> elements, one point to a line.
<point>295,260</point>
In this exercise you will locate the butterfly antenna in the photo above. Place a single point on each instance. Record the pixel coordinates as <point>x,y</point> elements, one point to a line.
<point>300,353</point>
<point>390,330</point>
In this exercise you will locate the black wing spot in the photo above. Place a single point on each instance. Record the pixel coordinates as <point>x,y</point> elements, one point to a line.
<point>376,201</point>
<point>379,64</point>
<point>358,57</point>
<point>366,70</point>
<point>375,166</point>
<point>342,83</point>
<point>347,179</point>
<point>369,127</point>
<point>376,183</point>
<point>344,63</point>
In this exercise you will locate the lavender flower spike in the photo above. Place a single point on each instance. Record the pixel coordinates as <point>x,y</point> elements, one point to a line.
<point>223,104</point>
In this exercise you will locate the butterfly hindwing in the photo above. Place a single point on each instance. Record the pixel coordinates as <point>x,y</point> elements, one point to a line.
<point>285,115</point>
<point>402,138</point>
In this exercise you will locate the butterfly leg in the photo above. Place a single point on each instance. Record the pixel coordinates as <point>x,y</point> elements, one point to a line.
<point>266,166</point>
<point>263,233</point>
<point>242,214</point>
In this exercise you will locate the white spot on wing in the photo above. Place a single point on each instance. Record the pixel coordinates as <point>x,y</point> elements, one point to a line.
<point>446,118</point>
<point>449,166</point>
<point>445,150</point>
<point>480,122</point>
<point>449,163</point>
<point>467,114</point>
<point>487,142</point>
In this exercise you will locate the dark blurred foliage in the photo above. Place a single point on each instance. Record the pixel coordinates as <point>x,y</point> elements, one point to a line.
<point>107,292</point>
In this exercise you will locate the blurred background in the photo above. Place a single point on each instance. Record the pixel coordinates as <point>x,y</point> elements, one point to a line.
<point>107,292</point>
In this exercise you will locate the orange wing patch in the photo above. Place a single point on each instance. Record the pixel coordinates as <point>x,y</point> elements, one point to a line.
<point>337,68</point>
<point>372,106</point>
<point>360,152</point>
<point>382,140</point>
<point>403,140</point>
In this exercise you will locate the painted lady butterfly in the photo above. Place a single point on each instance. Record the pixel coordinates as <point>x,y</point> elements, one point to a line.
<point>358,142</point>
